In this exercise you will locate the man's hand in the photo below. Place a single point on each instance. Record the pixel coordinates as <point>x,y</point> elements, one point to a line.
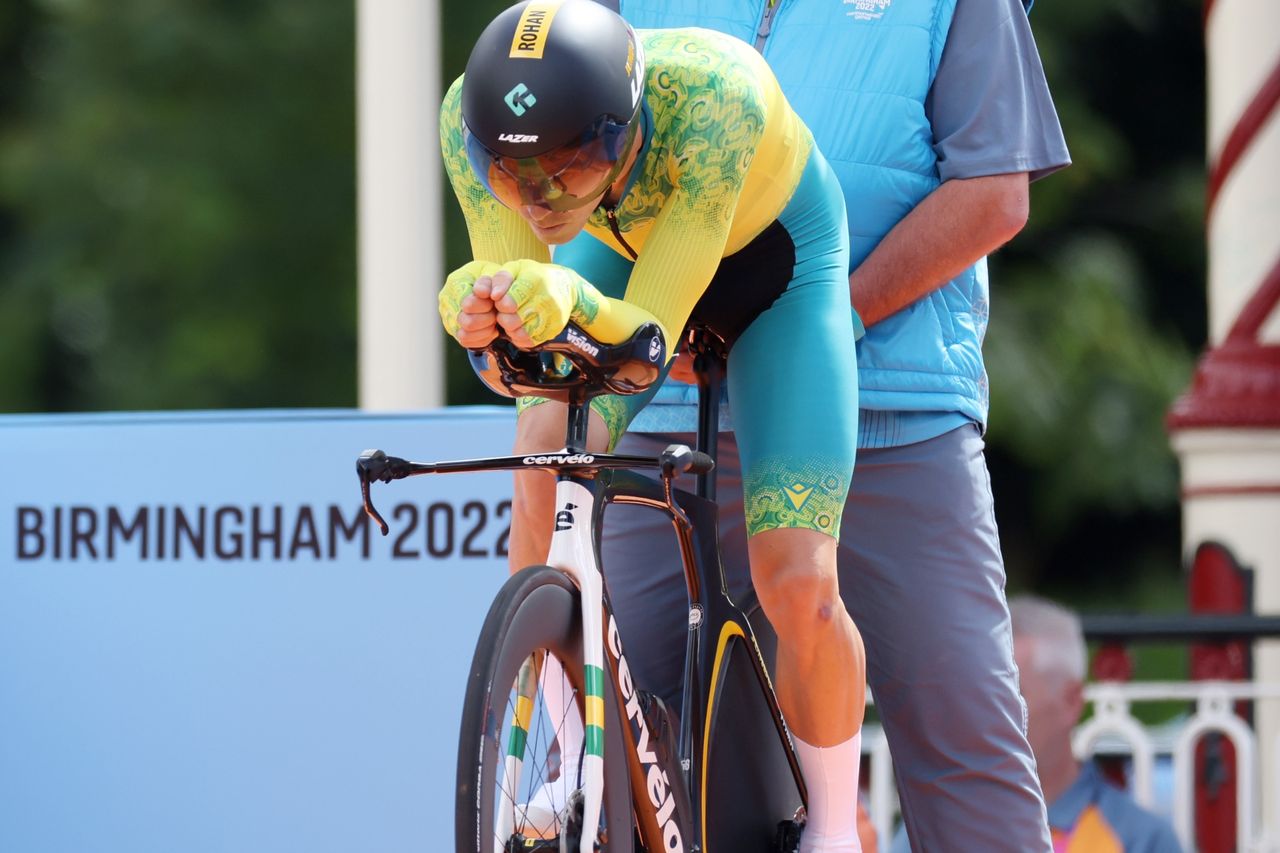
<point>466,305</point>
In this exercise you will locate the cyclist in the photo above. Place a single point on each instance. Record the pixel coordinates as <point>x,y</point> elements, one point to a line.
<point>678,151</point>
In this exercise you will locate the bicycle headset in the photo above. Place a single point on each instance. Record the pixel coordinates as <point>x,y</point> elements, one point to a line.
<point>550,102</point>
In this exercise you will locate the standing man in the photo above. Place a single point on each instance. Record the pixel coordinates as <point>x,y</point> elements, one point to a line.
<point>935,116</point>
<point>1087,814</point>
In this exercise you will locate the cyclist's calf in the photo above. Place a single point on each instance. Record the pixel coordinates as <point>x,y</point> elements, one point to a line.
<point>821,661</point>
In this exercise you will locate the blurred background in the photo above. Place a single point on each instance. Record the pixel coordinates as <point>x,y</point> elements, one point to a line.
<point>178,230</point>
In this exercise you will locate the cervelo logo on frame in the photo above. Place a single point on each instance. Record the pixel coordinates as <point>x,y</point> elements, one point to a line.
<point>659,786</point>
<point>530,37</point>
<point>867,10</point>
<point>520,99</point>
<point>564,518</point>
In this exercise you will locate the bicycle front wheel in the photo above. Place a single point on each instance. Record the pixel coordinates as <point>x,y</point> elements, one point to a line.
<point>520,746</point>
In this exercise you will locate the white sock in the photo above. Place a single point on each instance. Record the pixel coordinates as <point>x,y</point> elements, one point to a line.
<point>561,709</point>
<point>831,777</point>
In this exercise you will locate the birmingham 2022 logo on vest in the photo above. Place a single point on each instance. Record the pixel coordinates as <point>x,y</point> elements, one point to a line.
<point>867,10</point>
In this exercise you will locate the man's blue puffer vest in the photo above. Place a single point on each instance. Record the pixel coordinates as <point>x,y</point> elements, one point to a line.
<point>858,73</point>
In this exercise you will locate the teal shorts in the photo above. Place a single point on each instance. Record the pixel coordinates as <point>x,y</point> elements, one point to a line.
<point>782,305</point>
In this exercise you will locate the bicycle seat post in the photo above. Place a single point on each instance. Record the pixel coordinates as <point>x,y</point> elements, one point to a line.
<point>575,440</point>
<point>709,359</point>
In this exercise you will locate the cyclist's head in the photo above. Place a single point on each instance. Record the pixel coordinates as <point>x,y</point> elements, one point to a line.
<point>549,103</point>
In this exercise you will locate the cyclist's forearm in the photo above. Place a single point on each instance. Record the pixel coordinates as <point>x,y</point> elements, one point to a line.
<point>541,298</point>
<point>958,223</point>
<point>608,319</point>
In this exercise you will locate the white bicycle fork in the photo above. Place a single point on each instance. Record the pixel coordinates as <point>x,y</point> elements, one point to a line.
<point>572,552</point>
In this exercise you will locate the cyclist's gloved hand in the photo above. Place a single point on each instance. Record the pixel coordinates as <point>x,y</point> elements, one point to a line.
<point>466,306</point>
<point>535,301</point>
<point>530,302</point>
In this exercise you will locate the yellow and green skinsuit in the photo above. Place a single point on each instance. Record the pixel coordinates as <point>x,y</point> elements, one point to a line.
<point>724,159</point>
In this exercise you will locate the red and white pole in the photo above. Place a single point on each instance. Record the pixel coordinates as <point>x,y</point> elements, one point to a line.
<point>1226,428</point>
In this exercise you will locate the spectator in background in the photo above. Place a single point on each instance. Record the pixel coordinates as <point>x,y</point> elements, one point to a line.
<point>1086,812</point>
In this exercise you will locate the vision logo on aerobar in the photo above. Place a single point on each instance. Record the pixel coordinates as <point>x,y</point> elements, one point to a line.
<point>564,518</point>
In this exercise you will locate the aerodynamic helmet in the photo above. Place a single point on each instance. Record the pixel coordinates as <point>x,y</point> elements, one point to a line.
<point>550,102</point>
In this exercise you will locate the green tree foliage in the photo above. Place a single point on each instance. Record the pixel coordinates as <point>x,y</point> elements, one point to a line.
<point>177,221</point>
<point>1099,305</point>
<point>178,187</point>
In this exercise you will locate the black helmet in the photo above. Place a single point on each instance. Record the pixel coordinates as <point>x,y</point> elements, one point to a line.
<point>549,102</point>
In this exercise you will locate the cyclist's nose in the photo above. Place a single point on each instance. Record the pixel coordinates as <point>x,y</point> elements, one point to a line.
<point>539,214</point>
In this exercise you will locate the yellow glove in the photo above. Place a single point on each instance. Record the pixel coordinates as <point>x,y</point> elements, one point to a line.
<point>457,287</point>
<point>547,297</point>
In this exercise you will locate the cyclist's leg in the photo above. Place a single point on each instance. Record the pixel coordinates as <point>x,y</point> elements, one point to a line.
<point>540,425</point>
<point>793,387</point>
<point>922,576</point>
<point>794,391</point>
<point>924,580</point>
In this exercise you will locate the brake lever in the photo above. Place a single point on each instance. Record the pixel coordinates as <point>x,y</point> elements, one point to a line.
<point>374,465</point>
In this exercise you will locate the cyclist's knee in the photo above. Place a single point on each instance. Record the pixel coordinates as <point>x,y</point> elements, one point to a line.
<point>794,572</point>
<point>540,428</point>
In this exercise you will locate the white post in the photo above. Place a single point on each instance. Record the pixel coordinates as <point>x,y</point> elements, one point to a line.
<point>1227,427</point>
<point>401,227</point>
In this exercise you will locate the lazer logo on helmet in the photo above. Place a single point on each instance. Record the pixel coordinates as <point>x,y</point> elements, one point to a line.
<point>518,137</point>
<point>582,343</point>
<point>530,38</point>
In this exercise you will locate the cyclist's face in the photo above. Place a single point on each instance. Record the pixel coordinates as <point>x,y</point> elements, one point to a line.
<point>557,227</point>
<point>554,228</point>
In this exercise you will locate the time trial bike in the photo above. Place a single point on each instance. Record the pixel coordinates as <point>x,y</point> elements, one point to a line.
<point>560,749</point>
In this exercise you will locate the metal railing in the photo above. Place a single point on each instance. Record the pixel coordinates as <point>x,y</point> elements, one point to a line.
<point>1113,729</point>
<point>1213,711</point>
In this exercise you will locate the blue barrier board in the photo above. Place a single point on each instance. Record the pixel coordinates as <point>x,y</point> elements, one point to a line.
<point>204,646</point>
